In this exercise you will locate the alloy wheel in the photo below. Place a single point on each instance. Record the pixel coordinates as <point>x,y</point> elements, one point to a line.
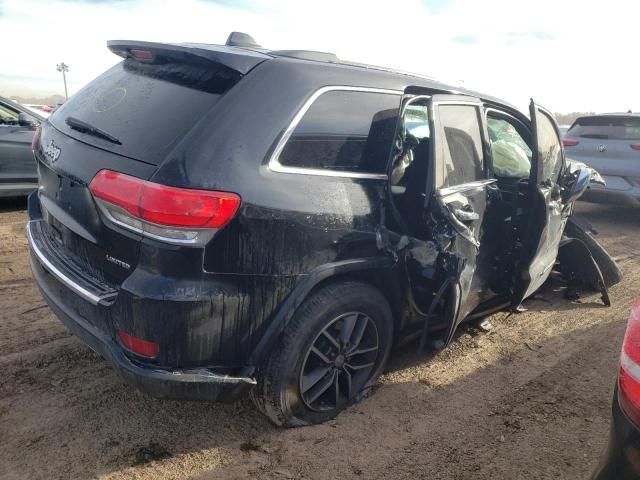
<point>339,362</point>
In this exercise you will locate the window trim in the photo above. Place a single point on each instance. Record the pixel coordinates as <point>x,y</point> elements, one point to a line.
<point>274,162</point>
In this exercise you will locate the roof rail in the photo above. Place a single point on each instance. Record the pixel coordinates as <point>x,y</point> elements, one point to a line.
<point>307,55</point>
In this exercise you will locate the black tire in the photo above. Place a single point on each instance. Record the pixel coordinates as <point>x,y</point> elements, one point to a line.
<point>611,274</point>
<point>279,392</point>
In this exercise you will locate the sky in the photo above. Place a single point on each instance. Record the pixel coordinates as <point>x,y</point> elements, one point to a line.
<point>569,55</point>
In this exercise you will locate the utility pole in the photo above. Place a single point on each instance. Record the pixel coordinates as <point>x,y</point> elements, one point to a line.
<point>64,68</point>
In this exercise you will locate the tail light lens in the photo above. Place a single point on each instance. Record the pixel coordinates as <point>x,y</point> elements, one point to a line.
<point>635,146</point>
<point>138,346</point>
<point>569,143</point>
<point>629,379</point>
<point>35,138</point>
<point>175,215</point>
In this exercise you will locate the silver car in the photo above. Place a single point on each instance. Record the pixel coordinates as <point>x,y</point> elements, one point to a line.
<point>18,175</point>
<point>609,143</point>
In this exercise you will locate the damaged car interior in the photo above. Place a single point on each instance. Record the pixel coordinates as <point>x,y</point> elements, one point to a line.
<point>462,226</point>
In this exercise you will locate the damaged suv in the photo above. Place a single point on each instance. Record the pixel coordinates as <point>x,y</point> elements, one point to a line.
<point>223,220</point>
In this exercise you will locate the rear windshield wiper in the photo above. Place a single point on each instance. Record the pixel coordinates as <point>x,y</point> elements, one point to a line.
<point>597,136</point>
<point>84,127</point>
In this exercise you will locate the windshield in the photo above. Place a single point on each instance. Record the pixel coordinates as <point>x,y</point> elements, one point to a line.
<point>606,127</point>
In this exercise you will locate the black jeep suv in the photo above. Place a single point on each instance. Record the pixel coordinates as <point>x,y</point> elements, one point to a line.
<point>218,220</point>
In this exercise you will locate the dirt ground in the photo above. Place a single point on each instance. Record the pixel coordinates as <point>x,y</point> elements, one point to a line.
<point>528,400</point>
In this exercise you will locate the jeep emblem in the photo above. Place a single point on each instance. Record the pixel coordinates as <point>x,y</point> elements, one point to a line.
<point>602,148</point>
<point>52,151</point>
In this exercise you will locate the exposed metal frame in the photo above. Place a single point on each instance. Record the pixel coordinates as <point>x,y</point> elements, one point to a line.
<point>274,162</point>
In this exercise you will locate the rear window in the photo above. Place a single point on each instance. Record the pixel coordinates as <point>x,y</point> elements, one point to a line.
<point>148,108</point>
<point>348,131</point>
<point>606,128</point>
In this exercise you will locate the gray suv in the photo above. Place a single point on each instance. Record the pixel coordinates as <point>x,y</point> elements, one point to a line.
<point>610,143</point>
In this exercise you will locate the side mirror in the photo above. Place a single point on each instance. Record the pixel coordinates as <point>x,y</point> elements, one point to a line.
<point>25,121</point>
<point>580,183</point>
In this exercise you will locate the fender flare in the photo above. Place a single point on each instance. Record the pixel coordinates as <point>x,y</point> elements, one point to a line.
<point>298,295</point>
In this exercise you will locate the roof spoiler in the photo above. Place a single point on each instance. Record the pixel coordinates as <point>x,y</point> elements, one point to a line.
<point>241,61</point>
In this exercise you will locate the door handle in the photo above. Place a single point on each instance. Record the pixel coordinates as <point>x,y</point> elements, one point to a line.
<point>465,215</point>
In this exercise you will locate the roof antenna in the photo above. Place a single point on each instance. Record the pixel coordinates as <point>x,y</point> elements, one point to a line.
<point>239,39</point>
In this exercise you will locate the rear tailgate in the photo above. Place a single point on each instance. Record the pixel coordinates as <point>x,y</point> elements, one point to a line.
<point>131,118</point>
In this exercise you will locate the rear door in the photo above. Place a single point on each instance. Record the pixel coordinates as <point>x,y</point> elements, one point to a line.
<point>463,196</point>
<point>547,213</point>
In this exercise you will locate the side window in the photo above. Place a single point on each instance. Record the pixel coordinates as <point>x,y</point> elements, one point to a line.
<point>549,145</point>
<point>8,116</point>
<point>461,154</point>
<point>346,131</point>
<point>510,153</point>
<point>410,166</point>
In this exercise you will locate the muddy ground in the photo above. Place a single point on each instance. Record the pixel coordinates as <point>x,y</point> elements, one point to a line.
<point>528,400</point>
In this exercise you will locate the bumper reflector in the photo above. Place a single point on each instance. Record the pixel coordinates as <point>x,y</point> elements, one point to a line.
<point>138,346</point>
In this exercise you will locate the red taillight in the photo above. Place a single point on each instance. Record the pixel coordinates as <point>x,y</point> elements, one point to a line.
<point>157,206</point>
<point>629,379</point>
<point>180,207</point>
<point>35,138</point>
<point>635,146</point>
<point>138,346</point>
<point>569,143</point>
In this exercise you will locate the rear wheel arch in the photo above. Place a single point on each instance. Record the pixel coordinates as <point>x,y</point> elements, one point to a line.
<point>375,271</point>
<point>381,279</point>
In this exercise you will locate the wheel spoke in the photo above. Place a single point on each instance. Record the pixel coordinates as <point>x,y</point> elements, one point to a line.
<point>321,387</point>
<point>336,384</point>
<point>361,326</point>
<point>348,324</point>
<point>313,377</point>
<point>359,367</point>
<point>347,376</point>
<point>329,337</point>
<point>363,351</point>
<point>321,355</point>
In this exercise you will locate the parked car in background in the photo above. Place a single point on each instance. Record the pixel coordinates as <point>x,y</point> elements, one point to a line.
<point>621,460</point>
<point>44,110</point>
<point>18,175</point>
<point>210,253</point>
<point>610,143</point>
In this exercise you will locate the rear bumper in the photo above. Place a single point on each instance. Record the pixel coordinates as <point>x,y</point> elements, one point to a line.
<point>189,384</point>
<point>621,460</point>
